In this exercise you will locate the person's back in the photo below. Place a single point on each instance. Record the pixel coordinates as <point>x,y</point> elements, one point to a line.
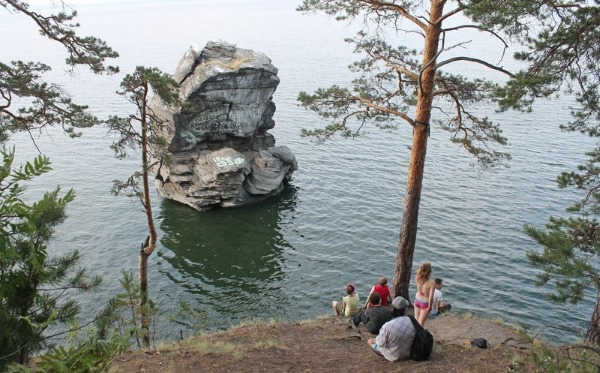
<point>349,305</point>
<point>351,301</point>
<point>384,293</point>
<point>425,289</point>
<point>377,316</point>
<point>383,290</point>
<point>374,317</point>
<point>395,339</point>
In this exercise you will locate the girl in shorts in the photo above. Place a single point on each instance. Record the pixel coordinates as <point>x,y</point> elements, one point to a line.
<point>425,291</point>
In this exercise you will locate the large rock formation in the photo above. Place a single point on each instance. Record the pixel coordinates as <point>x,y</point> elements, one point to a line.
<point>220,151</point>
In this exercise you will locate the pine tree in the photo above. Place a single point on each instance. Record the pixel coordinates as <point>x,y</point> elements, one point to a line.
<point>35,286</point>
<point>143,130</point>
<point>27,102</point>
<point>395,81</point>
<point>562,52</point>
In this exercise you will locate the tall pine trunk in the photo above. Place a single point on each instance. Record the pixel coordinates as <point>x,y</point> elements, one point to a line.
<point>150,243</point>
<point>593,332</point>
<point>414,184</point>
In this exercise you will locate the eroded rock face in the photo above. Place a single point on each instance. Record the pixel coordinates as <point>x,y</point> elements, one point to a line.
<point>221,153</point>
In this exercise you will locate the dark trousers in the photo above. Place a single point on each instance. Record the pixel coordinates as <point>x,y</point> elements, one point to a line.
<point>360,316</point>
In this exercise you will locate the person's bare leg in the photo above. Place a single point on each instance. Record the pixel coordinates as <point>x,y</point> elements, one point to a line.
<point>417,313</point>
<point>423,316</point>
<point>334,305</point>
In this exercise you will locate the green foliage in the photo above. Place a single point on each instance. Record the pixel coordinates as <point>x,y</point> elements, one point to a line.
<point>93,355</point>
<point>129,302</point>
<point>94,349</point>
<point>560,54</point>
<point>520,92</point>
<point>49,104</point>
<point>563,54</point>
<point>547,360</point>
<point>34,286</point>
<point>570,247</point>
<point>561,51</point>
<point>575,359</point>
<point>89,51</point>
<point>390,79</point>
<point>144,129</point>
<point>191,319</point>
<point>349,9</point>
<point>22,83</point>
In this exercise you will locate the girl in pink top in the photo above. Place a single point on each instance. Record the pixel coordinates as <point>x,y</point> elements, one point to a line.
<point>425,289</point>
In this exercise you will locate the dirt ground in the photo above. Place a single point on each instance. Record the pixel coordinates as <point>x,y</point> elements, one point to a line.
<point>330,344</point>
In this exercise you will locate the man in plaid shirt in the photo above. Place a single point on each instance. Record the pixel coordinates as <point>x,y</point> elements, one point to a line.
<point>396,336</point>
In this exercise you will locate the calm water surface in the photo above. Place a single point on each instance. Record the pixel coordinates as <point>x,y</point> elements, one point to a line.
<point>339,220</point>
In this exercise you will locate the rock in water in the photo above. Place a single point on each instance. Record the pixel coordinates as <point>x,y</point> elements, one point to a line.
<point>220,153</point>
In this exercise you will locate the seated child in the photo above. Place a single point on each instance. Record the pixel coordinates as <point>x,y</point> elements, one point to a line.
<point>439,305</point>
<point>349,305</point>
<point>384,293</point>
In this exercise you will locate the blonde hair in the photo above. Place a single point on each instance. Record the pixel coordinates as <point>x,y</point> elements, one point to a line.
<point>423,273</point>
<point>383,281</point>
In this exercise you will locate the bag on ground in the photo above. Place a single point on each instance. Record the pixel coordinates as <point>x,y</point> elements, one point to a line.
<point>422,344</point>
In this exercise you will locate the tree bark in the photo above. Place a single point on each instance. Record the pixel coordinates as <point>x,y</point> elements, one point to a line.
<point>593,333</point>
<point>150,243</point>
<point>416,167</point>
<point>143,281</point>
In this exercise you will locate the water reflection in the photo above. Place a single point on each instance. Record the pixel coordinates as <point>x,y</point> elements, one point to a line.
<point>227,262</point>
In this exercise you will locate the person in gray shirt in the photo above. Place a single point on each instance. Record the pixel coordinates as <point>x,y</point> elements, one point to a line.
<point>375,316</point>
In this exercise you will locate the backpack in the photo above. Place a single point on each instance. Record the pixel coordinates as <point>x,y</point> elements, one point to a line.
<point>422,344</point>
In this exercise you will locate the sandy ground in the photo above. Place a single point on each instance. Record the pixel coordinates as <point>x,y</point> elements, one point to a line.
<point>330,344</point>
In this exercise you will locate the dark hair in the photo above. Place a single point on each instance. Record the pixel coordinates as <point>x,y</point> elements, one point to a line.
<point>375,298</point>
<point>350,289</point>
<point>438,281</point>
<point>397,313</point>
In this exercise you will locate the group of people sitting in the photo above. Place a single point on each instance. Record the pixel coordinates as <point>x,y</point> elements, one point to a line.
<point>385,317</point>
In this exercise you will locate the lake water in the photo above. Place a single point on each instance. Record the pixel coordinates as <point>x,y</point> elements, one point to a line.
<point>338,222</point>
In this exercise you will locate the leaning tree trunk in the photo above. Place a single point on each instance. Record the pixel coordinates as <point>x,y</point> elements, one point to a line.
<point>414,184</point>
<point>593,332</point>
<point>150,243</point>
